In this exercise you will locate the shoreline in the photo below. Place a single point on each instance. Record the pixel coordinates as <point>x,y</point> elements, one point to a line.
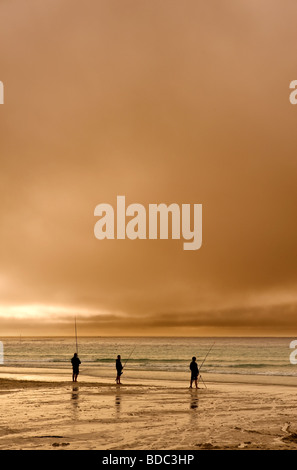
<point>39,411</point>
<point>107,374</point>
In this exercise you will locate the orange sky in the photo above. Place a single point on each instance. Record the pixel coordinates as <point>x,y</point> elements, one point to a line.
<point>160,101</point>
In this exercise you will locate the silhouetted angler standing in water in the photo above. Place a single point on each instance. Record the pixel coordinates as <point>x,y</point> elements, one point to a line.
<point>75,365</point>
<point>194,372</point>
<point>119,368</point>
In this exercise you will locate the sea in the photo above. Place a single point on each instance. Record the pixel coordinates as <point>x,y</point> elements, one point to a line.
<point>255,356</point>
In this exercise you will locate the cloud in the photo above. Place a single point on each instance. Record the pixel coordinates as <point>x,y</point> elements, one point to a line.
<point>160,104</point>
<point>253,321</point>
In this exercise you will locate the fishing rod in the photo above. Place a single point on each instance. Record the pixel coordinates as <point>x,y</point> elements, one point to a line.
<point>75,335</point>
<point>203,363</point>
<point>202,380</point>
<point>200,377</point>
<point>206,355</point>
<point>129,357</point>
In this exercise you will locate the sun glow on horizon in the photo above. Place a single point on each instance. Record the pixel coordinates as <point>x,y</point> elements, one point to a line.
<point>40,311</point>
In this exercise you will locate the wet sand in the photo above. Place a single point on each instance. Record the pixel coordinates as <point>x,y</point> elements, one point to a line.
<point>43,409</point>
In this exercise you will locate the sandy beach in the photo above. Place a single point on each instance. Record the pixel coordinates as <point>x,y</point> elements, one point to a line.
<point>43,409</point>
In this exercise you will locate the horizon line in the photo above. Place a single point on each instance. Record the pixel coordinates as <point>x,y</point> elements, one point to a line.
<point>148,336</point>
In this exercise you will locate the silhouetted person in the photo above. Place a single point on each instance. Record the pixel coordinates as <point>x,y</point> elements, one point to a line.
<point>119,368</point>
<point>75,365</point>
<point>194,372</point>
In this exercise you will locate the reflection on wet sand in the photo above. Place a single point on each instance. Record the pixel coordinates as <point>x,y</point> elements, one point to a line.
<point>75,399</point>
<point>75,392</point>
<point>194,400</point>
<point>118,399</point>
